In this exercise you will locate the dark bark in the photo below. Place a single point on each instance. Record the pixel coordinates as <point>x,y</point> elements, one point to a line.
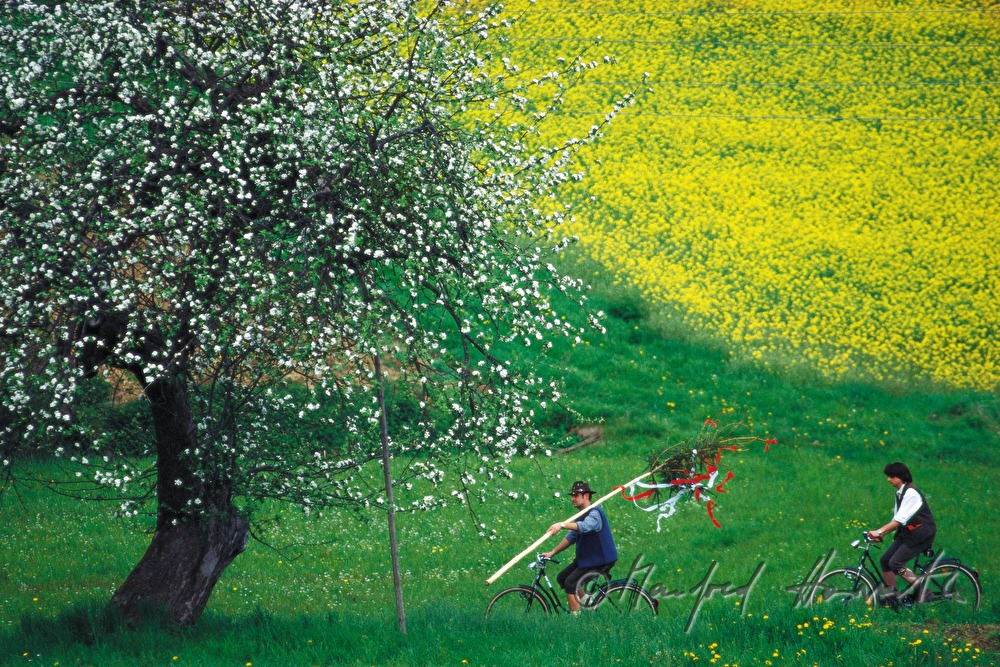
<point>198,529</point>
<point>181,567</point>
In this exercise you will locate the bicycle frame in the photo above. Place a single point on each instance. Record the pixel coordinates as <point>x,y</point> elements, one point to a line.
<point>868,566</point>
<point>873,570</point>
<point>623,596</point>
<point>548,591</point>
<point>936,579</point>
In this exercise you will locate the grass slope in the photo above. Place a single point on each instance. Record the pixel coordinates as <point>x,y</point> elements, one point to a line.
<point>324,596</point>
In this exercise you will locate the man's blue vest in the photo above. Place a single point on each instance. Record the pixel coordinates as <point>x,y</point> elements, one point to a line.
<point>597,548</point>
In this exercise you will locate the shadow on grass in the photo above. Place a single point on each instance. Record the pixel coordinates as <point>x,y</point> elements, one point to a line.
<point>89,625</point>
<point>98,634</point>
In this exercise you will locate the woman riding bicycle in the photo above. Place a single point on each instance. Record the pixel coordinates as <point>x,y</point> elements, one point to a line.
<point>914,525</point>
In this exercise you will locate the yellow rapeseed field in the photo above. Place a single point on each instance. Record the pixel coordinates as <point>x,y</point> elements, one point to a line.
<point>812,181</point>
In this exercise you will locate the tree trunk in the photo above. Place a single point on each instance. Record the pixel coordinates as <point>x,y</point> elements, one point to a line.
<point>180,568</point>
<point>198,529</point>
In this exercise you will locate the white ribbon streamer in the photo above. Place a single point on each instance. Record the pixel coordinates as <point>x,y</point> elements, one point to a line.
<point>667,507</point>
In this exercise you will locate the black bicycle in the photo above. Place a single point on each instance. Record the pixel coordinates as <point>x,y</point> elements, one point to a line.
<point>598,593</point>
<point>940,580</point>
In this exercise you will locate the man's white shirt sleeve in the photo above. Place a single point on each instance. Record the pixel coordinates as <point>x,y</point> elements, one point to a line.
<point>908,507</point>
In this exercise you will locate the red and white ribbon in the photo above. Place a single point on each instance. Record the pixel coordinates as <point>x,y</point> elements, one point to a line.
<point>696,486</point>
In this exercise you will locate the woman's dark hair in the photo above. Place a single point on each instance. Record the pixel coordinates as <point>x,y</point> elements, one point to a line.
<point>899,470</point>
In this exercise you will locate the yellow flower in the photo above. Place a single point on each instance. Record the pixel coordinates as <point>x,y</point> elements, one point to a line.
<point>759,215</point>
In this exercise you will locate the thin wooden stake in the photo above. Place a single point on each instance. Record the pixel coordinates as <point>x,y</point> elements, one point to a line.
<point>397,579</point>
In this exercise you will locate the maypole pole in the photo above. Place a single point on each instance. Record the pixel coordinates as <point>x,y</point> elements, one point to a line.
<point>534,545</point>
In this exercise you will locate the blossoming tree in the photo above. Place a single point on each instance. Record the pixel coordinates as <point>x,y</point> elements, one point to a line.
<point>218,199</point>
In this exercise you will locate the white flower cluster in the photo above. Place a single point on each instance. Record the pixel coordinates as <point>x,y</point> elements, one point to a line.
<point>221,199</point>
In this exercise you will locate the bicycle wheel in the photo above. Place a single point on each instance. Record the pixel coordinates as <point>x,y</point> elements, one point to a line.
<point>625,597</point>
<point>516,601</point>
<point>953,584</point>
<point>844,586</point>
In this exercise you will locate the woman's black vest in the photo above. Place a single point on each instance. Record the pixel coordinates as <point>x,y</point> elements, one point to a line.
<point>921,525</point>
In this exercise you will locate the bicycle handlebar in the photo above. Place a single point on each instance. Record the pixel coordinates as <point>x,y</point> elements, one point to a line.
<point>867,539</point>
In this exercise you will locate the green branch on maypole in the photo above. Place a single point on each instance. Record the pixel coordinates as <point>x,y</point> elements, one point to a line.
<point>691,468</point>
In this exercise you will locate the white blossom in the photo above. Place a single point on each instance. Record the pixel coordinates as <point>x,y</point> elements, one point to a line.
<point>239,205</point>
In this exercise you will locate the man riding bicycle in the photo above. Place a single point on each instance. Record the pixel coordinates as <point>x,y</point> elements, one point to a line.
<point>914,525</point>
<point>595,546</point>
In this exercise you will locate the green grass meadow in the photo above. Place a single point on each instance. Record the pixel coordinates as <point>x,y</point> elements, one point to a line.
<point>318,590</point>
